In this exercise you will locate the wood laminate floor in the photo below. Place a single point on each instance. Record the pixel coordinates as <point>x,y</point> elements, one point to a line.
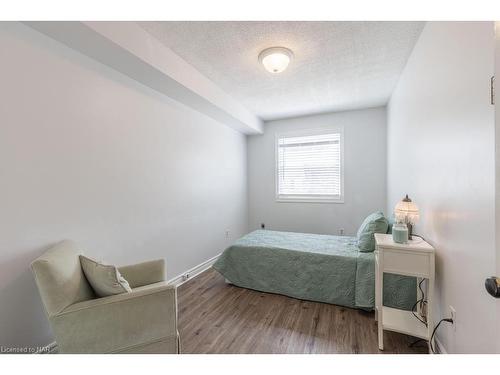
<point>215,317</point>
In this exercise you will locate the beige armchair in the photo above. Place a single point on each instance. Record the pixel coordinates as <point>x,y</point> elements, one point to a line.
<point>143,321</point>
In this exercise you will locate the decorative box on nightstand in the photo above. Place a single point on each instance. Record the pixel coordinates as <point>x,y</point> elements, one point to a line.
<point>416,258</point>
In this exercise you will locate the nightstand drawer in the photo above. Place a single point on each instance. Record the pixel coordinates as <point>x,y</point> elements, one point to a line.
<point>406,262</point>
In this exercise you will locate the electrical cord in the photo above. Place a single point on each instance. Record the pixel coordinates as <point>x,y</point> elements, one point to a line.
<point>417,235</point>
<point>421,301</point>
<point>449,320</point>
<point>414,343</point>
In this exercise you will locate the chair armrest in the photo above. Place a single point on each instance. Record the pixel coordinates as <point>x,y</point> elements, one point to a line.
<point>144,273</point>
<point>114,323</point>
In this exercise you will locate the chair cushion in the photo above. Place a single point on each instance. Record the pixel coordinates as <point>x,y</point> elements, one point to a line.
<point>374,223</point>
<point>106,280</point>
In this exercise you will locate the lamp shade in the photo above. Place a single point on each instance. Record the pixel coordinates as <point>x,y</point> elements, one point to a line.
<point>406,211</point>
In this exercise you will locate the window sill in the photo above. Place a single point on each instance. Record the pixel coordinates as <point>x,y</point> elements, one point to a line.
<point>308,200</point>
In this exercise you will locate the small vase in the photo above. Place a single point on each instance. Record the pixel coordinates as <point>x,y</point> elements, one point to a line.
<point>400,233</point>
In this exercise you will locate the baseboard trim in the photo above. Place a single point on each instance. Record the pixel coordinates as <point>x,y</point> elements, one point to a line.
<point>193,272</point>
<point>440,347</point>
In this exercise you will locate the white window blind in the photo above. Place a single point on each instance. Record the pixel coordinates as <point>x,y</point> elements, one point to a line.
<point>309,167</point>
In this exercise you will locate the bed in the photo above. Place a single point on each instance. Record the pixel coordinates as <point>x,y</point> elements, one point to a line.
<point>314,267</point>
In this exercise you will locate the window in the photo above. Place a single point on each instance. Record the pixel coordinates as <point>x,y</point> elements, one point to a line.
<point>310,166</point>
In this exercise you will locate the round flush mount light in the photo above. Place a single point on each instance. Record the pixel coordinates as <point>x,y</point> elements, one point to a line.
<point>275,59</point>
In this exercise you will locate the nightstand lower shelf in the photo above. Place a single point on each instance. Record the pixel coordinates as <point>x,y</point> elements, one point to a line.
<point>403,321</point>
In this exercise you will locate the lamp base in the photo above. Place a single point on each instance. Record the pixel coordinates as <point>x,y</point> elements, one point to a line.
<point>410,230</point>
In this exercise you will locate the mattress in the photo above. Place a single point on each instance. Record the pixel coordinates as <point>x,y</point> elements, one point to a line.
<point>314,267</point>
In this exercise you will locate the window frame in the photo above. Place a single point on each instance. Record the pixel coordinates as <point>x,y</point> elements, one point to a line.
<point>281,198</point>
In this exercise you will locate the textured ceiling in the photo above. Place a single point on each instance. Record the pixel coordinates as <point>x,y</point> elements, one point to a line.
<point>337,65</point>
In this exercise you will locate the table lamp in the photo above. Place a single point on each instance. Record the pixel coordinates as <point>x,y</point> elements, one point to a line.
<point>406,211</point>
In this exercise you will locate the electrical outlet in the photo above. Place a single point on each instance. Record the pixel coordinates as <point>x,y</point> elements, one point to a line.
<point>341,231</point>
<point>227,233</point>
<point>453,316</point>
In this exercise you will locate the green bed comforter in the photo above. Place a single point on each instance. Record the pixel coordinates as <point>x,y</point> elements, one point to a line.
<point>312,267</point>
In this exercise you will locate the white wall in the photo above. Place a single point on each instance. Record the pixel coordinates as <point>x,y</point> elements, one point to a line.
<point>89,154</point>
<point>497,164</point>
<point>365,175</point>
<point>441,152</point>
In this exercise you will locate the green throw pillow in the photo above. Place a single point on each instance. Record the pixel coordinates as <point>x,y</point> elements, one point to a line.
<point>105,280</point>
<point>390,222</point>
<point>374,223</point>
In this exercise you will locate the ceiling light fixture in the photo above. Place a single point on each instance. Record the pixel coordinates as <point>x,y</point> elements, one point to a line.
<point>275,59</point>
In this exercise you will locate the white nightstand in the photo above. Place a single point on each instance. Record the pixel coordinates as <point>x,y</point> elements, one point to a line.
<point>416,258</point>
